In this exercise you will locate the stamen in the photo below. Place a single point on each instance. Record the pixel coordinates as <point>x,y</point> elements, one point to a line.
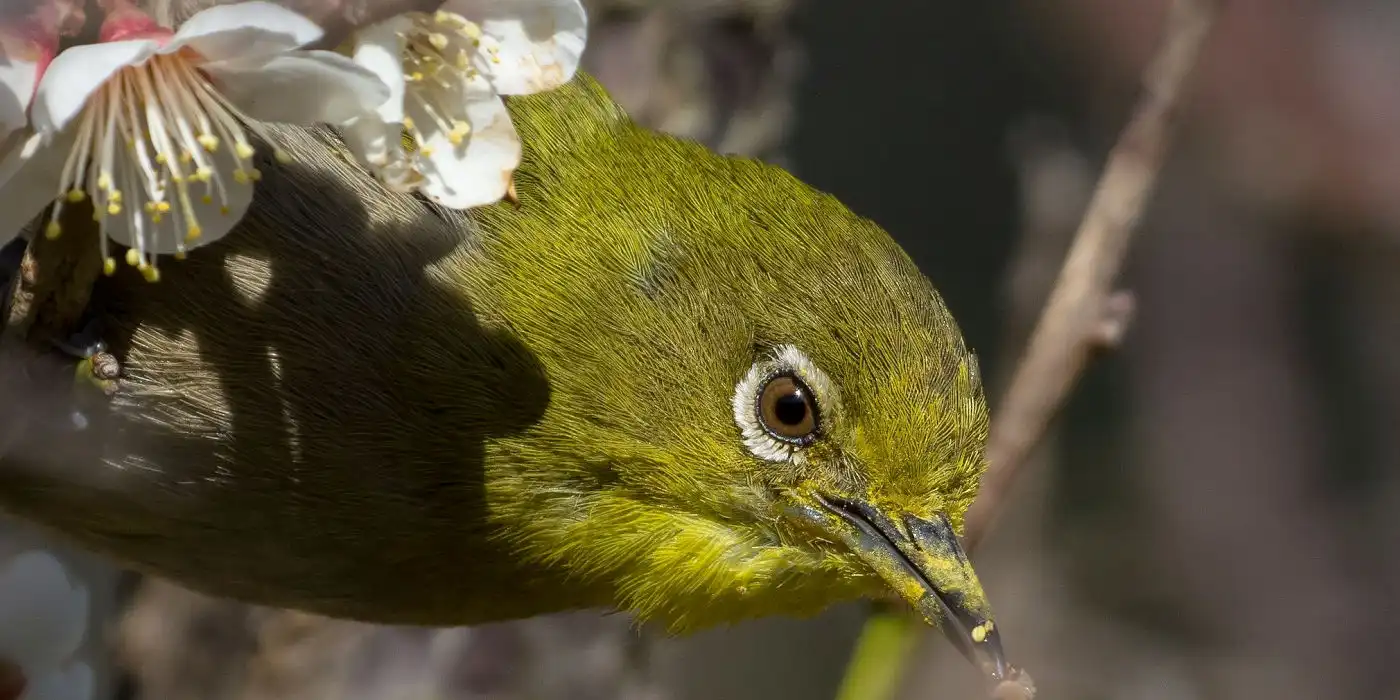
<point>170,123</point>
<point>437,62</point>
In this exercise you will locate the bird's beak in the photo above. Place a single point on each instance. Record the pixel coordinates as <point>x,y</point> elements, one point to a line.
<point>924,563</point>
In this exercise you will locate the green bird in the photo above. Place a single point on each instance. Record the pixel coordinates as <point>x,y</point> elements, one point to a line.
<point>663,381</point>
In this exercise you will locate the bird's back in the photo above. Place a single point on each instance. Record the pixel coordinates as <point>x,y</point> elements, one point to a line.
<point>312,368</point>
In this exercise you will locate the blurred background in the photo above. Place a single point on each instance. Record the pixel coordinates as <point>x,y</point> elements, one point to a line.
<point>1211,516</point>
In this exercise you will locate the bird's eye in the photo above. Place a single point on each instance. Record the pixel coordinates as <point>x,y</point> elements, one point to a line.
<point>787,411</point>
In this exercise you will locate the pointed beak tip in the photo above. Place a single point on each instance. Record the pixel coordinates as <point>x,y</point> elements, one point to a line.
<point>928,553</point>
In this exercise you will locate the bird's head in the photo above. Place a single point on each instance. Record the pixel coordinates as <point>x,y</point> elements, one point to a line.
<point>758,404</point>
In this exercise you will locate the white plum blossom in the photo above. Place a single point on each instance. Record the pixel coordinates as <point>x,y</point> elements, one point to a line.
<point>446,73</point>
<point>156,127</point>
<point>43,617</point>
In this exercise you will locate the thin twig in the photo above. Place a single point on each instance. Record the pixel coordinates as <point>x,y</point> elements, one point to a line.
<point>1083,310</point>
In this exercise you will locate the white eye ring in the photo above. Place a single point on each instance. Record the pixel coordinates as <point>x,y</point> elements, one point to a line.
<point>787,360</point>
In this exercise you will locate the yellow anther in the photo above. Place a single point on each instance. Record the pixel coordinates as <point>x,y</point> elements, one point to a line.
<point>202,174</point>
<point>109,266</point>
<point>104,182</point>
<point>210,142</point>
<point>207,199</point>
<point>114,208</point>
<point>132,257</point>
<point>243,151</point>
<point>241,177</point>
<point>450,19</point>
<point>408,122</point>
<point>979,634</point>
<point>282,156</point>
<point>194,232</point>
<point>115,196</point>
<point>151,273</point>
<point>186,157</point>
<point>180,255</point>
<point>223,211</point>
<point>75,196</point>
<point>459,132</point>
<point>160,159</point>
<point>53,230</point>
<point>157,218</point>
<point>255,174</point>
<point>439,41</point>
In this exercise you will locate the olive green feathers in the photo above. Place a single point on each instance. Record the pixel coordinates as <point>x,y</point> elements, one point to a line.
<point>670,382</point>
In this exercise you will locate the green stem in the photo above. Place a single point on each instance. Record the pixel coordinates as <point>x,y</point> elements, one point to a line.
<point>877,663</point>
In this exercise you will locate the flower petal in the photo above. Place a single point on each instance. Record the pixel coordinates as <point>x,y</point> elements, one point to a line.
<point>244,31</point>
<point>76,74</point>
<point>303,88</point>
<point>369,139</point>
<point>42,614</point>
<point>379,50</point>
<point>479,170</point>
<point>379,146</point>
<point>18,78</point>
<point>71,683</point>
<point>215,218</point>
<point>541,41</point>
<point>29,173</point>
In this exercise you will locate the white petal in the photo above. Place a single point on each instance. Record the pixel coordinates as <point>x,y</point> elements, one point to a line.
<point>29,173</point>
<point>379,49</point>
<point>244,31</point>
<point>303,88</point>
<point>379,147</point>
<point>18,79</point>
<point>42,614</point>
<point>478,171</point>
<point>72,683</point>
<point>541,41</point>
<point>370,139</point>
<point>76,73</point>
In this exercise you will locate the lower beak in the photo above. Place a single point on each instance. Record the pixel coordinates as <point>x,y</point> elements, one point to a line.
<point>924,563</point>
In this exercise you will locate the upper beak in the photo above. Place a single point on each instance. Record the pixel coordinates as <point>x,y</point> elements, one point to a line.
<point>924,563</point>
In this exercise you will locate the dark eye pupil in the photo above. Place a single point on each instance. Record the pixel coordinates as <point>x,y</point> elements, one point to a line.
<point>791,409</point>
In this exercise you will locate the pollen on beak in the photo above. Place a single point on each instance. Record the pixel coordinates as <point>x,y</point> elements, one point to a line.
<point>924,563</point>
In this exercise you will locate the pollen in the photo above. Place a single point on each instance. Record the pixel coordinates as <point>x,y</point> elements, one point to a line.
<point>152,142</point>
<point>438,60</point>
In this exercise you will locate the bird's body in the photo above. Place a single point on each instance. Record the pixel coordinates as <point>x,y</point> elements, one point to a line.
<point>363,406</point>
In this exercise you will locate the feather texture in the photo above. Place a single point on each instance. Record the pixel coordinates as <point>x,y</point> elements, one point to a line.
<point>364,406</point>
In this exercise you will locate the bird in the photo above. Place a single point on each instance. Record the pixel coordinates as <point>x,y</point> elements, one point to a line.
<point>661,380</point>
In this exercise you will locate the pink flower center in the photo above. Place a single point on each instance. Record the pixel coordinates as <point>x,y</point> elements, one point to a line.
<point>125,22</point>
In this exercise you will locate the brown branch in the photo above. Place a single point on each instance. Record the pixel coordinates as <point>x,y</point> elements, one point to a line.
<point>1083,312</point>
<point>55,279</point>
